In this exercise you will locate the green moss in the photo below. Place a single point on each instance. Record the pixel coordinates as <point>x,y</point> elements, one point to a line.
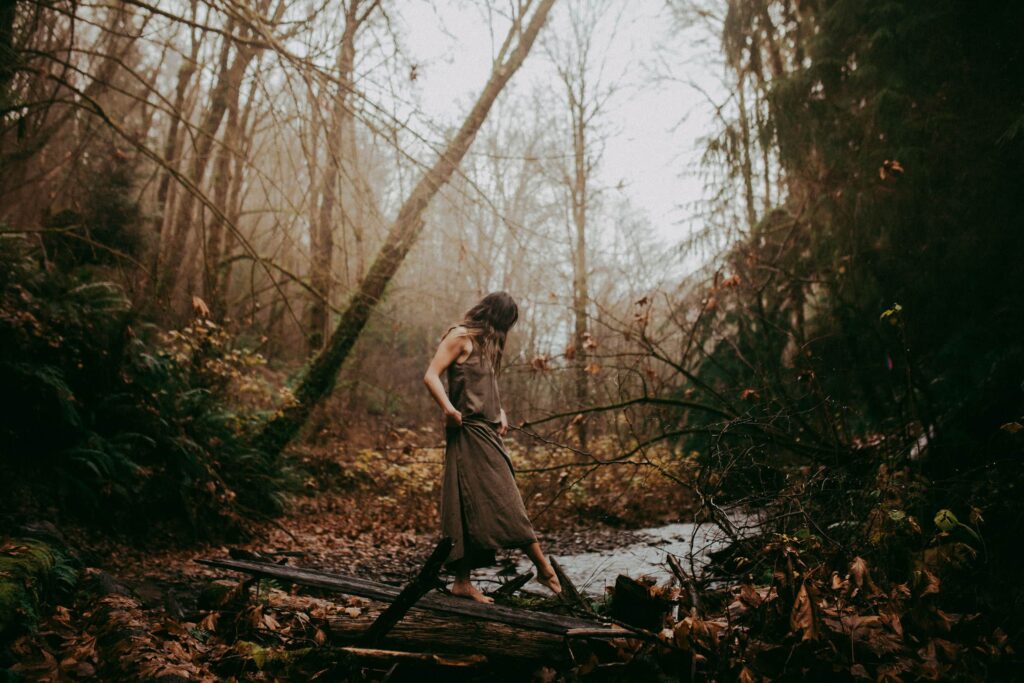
<point>32,572</point>
<point>271,658</point>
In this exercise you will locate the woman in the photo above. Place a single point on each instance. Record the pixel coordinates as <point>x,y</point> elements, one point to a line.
<point>481,509</point>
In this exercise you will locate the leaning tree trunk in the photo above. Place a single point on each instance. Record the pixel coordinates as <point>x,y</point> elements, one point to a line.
<point>322,373</point>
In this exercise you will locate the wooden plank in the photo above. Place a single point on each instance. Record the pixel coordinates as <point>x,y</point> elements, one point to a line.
<point>550,623</point>
<point>425,581</point>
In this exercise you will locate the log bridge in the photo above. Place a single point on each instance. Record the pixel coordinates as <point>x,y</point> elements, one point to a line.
<point>436,621</point>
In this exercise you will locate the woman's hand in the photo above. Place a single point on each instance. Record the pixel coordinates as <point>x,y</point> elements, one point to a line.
<point>452,417</point>
<point>503,427</point>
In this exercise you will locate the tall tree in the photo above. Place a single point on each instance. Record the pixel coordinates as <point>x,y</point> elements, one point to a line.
<point>340,144</point>
<point>229,79</point>
<point>586,96</point>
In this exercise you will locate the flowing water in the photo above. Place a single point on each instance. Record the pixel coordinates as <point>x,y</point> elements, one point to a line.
<point>593,571</point>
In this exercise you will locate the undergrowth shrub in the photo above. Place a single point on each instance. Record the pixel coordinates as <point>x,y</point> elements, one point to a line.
<point>118,424</point>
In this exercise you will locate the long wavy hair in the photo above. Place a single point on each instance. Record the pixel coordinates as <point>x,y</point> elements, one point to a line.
<point>488,323</point>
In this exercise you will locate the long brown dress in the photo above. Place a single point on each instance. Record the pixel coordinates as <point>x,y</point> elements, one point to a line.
<point>481,508</point>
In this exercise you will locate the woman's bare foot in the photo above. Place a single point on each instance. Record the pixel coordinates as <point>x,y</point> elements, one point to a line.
<point>468,590</point>
<point>549,580</point>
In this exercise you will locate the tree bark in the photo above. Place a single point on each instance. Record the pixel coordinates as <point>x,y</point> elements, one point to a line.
<point>424,630</point>
<point>235,198</point>
<point>322,230</point>
<point>746,165</point>
<point>319,379</point>
<point>172,145</point>
<point>222,168</point>
<point>443,604</point>
<point>579,261</point>
<point>229,77</point>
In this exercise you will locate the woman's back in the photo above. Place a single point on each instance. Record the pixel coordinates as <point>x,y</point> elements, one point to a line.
<point>473,387</point>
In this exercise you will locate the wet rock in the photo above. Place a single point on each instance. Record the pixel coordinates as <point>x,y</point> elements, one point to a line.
<point>639,603</point>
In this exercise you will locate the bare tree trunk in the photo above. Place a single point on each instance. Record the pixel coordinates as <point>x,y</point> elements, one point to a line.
<point>228,80</point>
<point>580,294</point>
<point>322,374</point>
<point>235,198</point>
<point>172,145</point>
<point>322,237</point>
<point>745,160</point>
<point>221,186</point>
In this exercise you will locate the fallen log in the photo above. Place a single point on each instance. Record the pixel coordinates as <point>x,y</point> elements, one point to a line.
<point>379,655</point>
<point>351,585</point>
<point>425,630</point>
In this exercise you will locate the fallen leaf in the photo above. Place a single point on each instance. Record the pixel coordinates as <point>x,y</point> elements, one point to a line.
<point>802,617</point>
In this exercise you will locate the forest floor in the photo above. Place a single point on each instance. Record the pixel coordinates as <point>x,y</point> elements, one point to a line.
<point>367,509</point>
<point>371,510</point>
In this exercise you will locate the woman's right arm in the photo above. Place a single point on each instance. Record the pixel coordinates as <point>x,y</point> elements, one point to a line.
<point>449,349</point>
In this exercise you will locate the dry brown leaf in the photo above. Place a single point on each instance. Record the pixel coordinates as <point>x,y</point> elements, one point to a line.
<point>750,597</point>
<point>892,620</point>
<point>802,617</point>
<point>200,308</point>
<point>270,622</point>
<point>682,633</point>
<point>929,583</point>
<point>209,622</point>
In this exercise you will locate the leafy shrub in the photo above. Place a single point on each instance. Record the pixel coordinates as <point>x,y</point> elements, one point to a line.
<point>117,423</point>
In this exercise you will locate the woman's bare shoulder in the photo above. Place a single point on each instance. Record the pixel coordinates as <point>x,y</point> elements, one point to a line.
<point>459,337</point>
<point>455,331</point>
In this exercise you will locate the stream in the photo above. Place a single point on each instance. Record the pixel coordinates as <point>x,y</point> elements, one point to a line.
<point>644,555</point>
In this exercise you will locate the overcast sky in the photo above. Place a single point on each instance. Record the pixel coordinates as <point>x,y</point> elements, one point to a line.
<point>655,126</point>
